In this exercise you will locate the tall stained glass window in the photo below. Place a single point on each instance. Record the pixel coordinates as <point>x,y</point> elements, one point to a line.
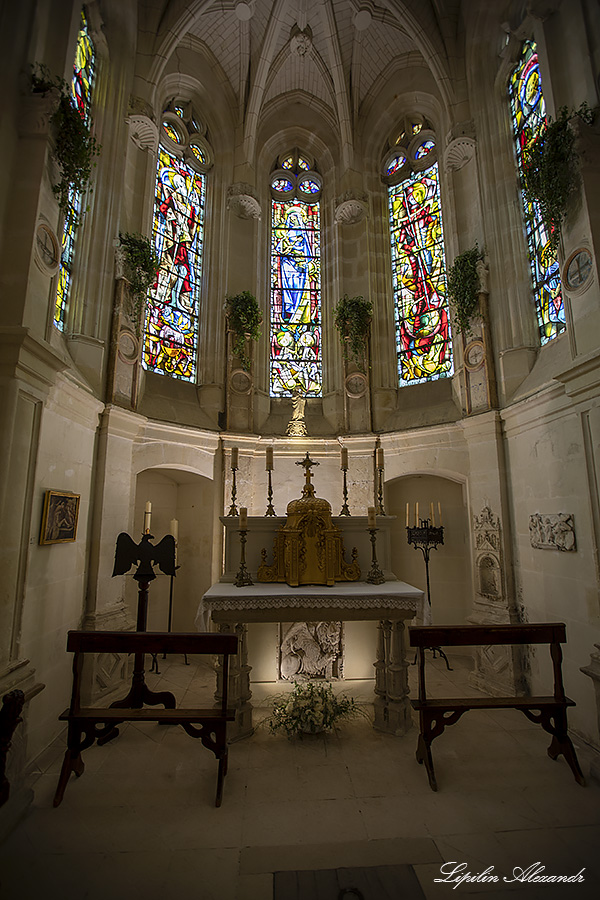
<point>172,309</point>
<point>423,341</point>
<point>295,327</point>
<point>529,120</point>
<point>81,98</point>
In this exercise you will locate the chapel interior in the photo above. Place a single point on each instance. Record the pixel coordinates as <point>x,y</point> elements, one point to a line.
<point>306,153</point>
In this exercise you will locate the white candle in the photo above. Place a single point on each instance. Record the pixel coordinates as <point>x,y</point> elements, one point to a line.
<point>175,528</point>
<point>234,457</point>
<point>344,458</point>
<point>416,515</point>
<point>371,517</point>
<point>380,457</point>
<point>440,514</point>
<point>432,517</point>
<point>407,515</point>
<point>147,517</point>
<point>243,518</point>
<point>269,459</point>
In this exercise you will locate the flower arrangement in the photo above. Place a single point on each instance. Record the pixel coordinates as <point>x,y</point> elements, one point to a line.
<point>245,317</point>
<point>311,707</point>
<point>352,317</point>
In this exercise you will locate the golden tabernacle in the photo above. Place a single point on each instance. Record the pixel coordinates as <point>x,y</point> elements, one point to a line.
<point>308,549</point>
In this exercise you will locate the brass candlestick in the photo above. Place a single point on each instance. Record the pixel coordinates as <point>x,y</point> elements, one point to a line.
<point>243,576</point>
<point>380,510</point>
<point>375,575</point>
<point>270,511</point>
<point>345,511</point>
<point>233,510</point>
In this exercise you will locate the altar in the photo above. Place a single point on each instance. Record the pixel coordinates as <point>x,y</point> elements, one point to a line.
<point>390,604</point>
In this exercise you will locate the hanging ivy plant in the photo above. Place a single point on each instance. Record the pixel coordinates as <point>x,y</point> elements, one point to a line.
<point>141,264</point>
<point>550,173</point>
<point>464,287</point>
<point>245,319</point>
<point>352,317</point>
<point>75,147</point>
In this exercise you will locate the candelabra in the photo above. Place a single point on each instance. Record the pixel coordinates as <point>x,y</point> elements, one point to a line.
<point>427,537</point>
<point>270,510</point>
<point>344,510</point>
<point>243,576</point>
<point>380,509</point>
<point>375,575</point>
<point>233,511</point>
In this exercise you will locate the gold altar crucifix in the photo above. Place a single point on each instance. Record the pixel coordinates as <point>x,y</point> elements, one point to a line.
<point>306,464</point>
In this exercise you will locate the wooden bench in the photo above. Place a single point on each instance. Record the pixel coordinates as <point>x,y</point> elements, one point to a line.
<point>87,724</point>
<point>549,712</point>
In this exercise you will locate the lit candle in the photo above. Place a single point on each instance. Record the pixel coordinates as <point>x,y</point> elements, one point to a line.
<point>344,458</point>
<point>432,523</point>
<point>440,514</point>
<point>269,454</point>
<point>380,457</point>
<point>371,517</point>
<point>175,528</point>
<point>243,518</point>
<point>416,515</point>
<point>407,515</point>
<point>234,457</point>
<point>147,517</point>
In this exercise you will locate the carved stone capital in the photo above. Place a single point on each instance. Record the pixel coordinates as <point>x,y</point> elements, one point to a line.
<point>35,112</point>
<point>243,201</point>
<point>143,132</point>
<point>351,209</point>
<point>459,152</point>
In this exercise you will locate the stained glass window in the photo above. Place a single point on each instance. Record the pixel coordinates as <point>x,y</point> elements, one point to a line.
<point>295,299</point>
<point>171,332</point>
<point>529,119</point>
<point>81,97</point>
<point>419,278</point>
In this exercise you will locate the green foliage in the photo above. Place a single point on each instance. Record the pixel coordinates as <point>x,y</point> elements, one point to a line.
<point>75,147</point>
<point>550,174</point>
<point>141,264</point>
<point>352,317</point>
<point>311,707</point>
<point>245,319</point>
<point>463,287</point>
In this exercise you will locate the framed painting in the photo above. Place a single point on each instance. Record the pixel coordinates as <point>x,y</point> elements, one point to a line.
<point>59,518</point>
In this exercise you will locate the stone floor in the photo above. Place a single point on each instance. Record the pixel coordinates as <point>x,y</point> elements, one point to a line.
<point>141,821</point>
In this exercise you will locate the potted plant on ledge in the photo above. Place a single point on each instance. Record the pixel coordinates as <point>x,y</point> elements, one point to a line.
<point>352,317</point>
<point>464,288</point>
<point>244,320</point>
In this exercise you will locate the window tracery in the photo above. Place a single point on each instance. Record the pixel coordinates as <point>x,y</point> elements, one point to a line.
<point>410,169</point>
<point>528,111</point>
<point>170,344</point>
<point>295,303</point>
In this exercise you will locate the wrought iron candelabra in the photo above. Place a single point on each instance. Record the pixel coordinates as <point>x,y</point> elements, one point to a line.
<point>344,510</point>
<point>375,575</point>
<point>427,537</point>
<point>233,510</point>
<point>243,576</point>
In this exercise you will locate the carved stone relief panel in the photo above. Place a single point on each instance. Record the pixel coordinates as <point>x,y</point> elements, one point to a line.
<point>552,532</point>
<point>309,650</point>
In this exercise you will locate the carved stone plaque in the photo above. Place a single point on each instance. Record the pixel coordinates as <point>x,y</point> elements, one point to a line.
<point>310,650</point>
<point>552,532</point>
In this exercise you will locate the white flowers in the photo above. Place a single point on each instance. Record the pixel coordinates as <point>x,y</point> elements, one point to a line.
<point>312,706</point>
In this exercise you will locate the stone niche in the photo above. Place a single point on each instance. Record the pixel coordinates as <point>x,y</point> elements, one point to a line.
<point>495,666</point>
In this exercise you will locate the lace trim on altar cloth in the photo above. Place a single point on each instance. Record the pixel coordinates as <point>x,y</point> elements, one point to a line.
<point>312,602</point>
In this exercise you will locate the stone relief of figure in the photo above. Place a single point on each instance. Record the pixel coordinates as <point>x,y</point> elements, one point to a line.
<point>297,425</point>
<point>310,649</point>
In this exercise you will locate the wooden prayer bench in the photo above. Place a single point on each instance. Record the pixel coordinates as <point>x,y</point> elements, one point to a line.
<point>87,724</point>
<point>549,712</point>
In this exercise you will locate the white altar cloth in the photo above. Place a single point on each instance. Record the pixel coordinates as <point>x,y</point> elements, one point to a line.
<point>269,602</point>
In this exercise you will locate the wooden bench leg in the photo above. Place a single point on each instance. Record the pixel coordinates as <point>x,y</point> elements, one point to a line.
<point>72,762</point>
<point>561,743</point>
<point>424,756</point>
<point>220,778</point>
